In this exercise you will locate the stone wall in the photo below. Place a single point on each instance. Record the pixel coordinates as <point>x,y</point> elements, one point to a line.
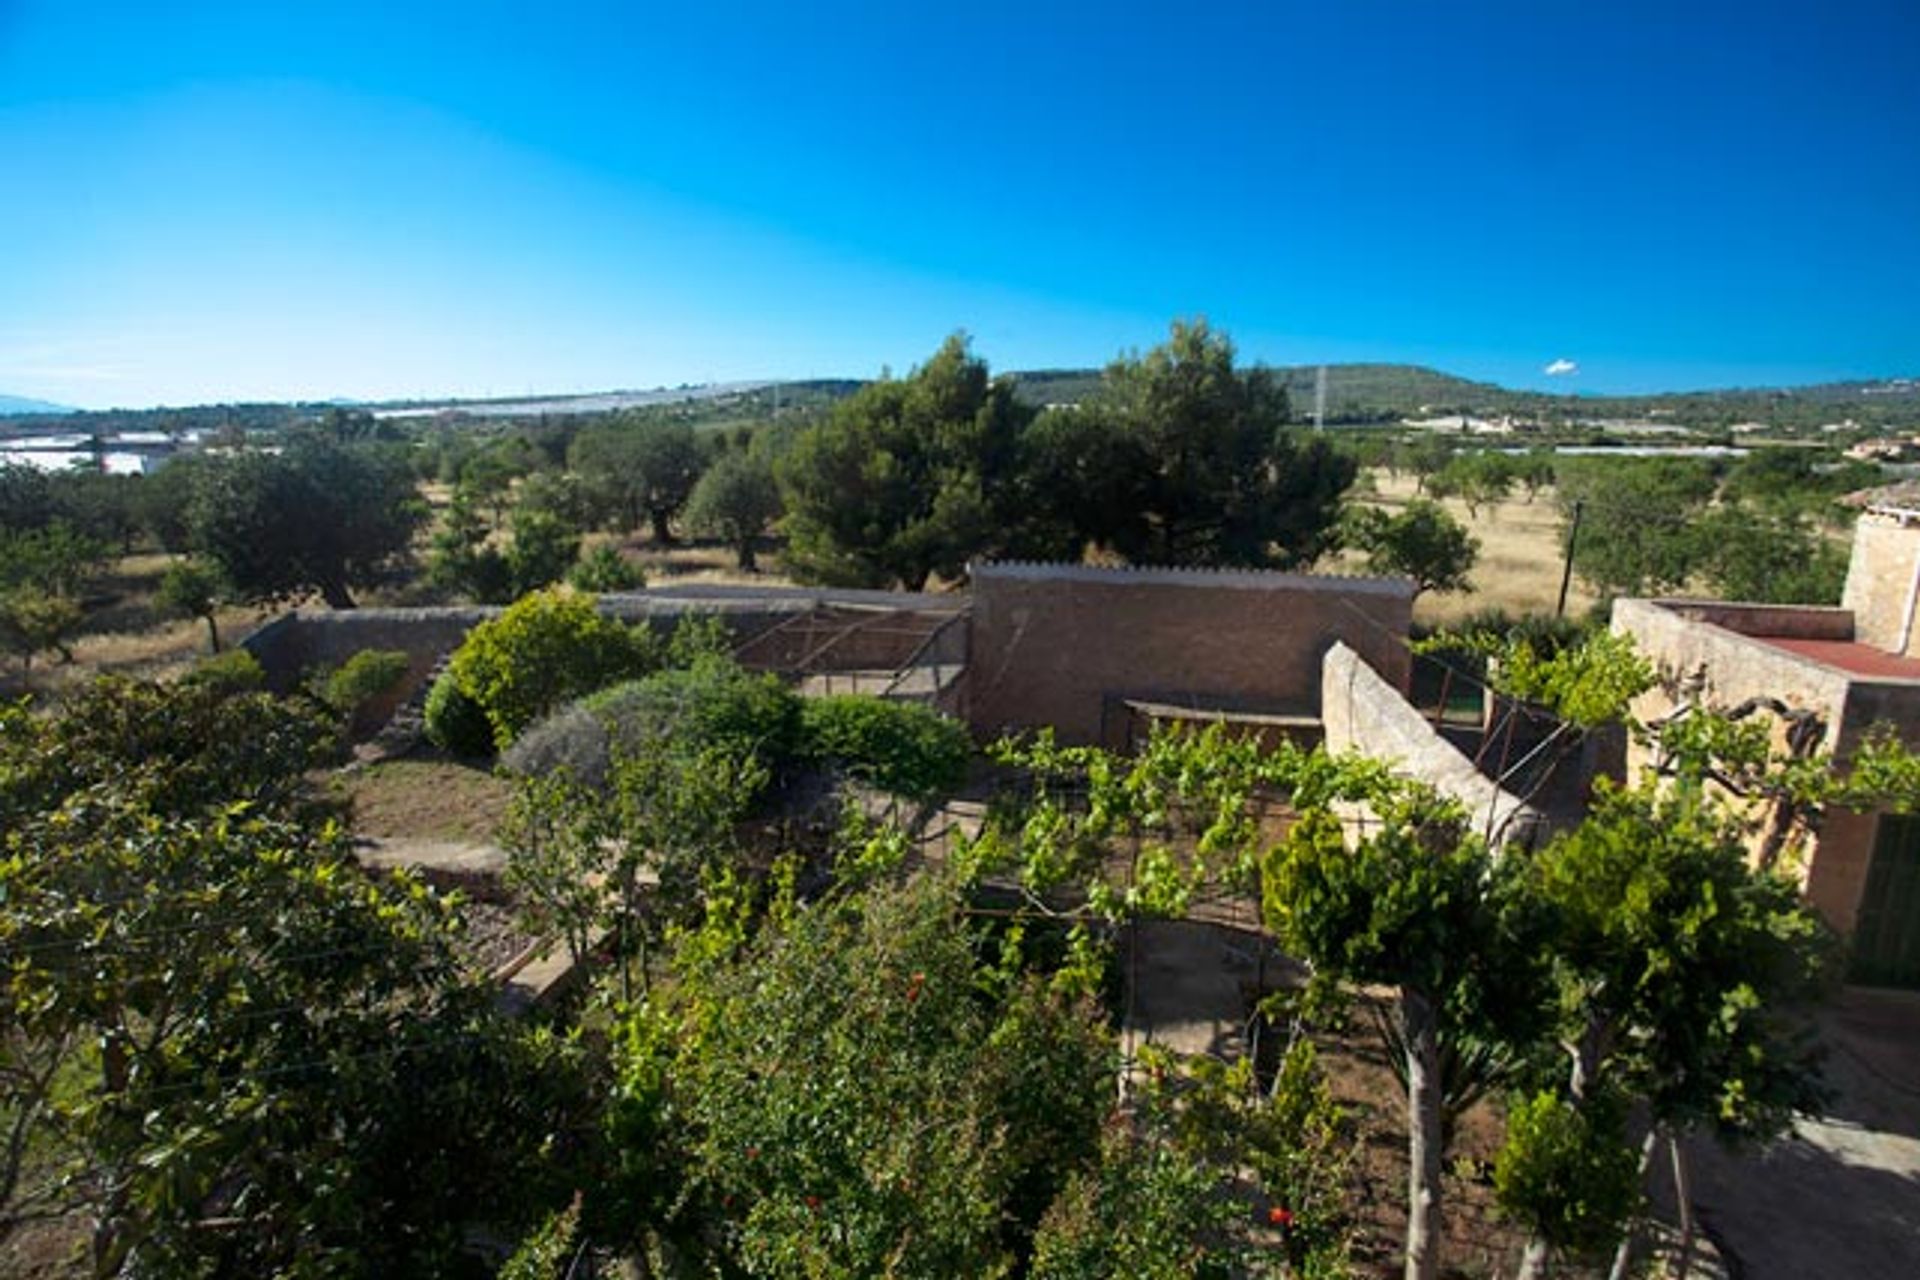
<point>1722,668</point>
<point>1068,646</point>
<point>1364,712</point>
<point>1883,577</point>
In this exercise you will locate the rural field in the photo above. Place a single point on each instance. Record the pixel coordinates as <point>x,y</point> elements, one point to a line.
<point>1520,554</point>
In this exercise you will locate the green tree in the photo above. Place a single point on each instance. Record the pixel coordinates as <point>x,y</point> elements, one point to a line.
<point>856,1091</point>
<point>35,621</point>
<point>193,589</point>
<point>547,649</point>
<point>1636,535</point>
<point>1416,902</point>
<point>736,500</point>
<point>901,481</point>
<point>1205,470</point>
<point>318,517</point>
<point>1773,556</point>
<point>1421,542</point>
<point>640,469</point>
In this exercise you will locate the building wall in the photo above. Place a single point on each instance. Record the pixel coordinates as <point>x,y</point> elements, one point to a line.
<point>1065,645</point>
<point>1881,579</point>
<point>1721,668</point>
<point>1365,713</point>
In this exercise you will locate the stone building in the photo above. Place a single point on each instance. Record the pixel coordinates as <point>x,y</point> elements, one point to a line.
<point>1841,672</point>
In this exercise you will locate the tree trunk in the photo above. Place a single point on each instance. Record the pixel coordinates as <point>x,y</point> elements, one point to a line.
<point>1683,1200</point>
<point>1420,1024</point>
<point>213,633</point>
<point>1533,1262</point>
<point>748,564</point>
<point>1623,1257</point>
<point>662,534</point>
<point>335,593</point>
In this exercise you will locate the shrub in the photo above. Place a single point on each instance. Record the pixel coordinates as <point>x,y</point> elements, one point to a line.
<point>712,704</point>
<point>455,722</point>
<point>900,747</point>
<point>362,678</point>
<point>573,739</point>
<point>546,649</point>
<point>604,569</point>
<point>227,674</point>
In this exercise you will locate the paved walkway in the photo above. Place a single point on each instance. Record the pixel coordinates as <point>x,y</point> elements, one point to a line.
<point>1841,1195</point>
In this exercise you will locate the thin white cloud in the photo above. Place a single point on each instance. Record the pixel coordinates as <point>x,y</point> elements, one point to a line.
<point>1561,368</point>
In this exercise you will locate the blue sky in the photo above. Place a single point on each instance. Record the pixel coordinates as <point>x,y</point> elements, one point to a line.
<point>266,201</point>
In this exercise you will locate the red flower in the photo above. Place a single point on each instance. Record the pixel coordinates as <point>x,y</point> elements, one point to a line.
<point>753,1153</point>
<point>1280,1217</point>
<point>813,1202</point>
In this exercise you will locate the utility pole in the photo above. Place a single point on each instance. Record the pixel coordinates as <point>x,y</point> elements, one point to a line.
<point>1320,399</point>
<point>1566,574</point>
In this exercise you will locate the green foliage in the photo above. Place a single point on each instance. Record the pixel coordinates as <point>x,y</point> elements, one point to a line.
<point>54,559</point>
<point>1193,788</point>
<point>903,481</point>
<point>233,672</point>
<point>639,469</point>
<point>1588,684</point>
<point>903,748</point>
<point>455,722</point>
<point>319,517</point>
<point>713,703</point>
<point>603,569</point>
<point>1748,553</point>
<point>1294,1139</point>
<point>1635,532</point>
<point>1478,478</point>
<point>36,621</point>
<point>179,749</point>
<point>548,1251</point>
<point>543,651</point>
<point>193,589</point>
<point>1421,542</point>
<point>1683,969</point>
<point>736,500</point>
<point>367,675</point>
<point>1567,1173</point>
<point>854,1092</point>
<point>1198,466</point>
<point>1149,1210</point>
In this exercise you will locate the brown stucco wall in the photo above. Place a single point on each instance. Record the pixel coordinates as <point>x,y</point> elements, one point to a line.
<point>1881,577</point>
<point>1064,645</point>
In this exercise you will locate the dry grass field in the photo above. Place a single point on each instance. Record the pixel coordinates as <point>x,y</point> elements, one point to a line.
<point>1520,557</point>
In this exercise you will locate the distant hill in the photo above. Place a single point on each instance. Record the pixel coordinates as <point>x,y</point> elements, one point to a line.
<point>20,406</point>
<point>1382,393</point>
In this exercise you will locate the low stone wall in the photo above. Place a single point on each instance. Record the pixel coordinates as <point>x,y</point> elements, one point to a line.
<point>1362,712</point>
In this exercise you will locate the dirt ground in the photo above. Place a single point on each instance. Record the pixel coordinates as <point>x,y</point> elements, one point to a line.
<point>424,798</point>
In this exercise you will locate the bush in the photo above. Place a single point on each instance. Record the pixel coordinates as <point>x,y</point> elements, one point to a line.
<point>455,722</point>
<point>712,704</point>
<point>899,747</point>
<point>605,569</point>
<point>227,674</point>
<point>548,648</point>
<point>362,678</point>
